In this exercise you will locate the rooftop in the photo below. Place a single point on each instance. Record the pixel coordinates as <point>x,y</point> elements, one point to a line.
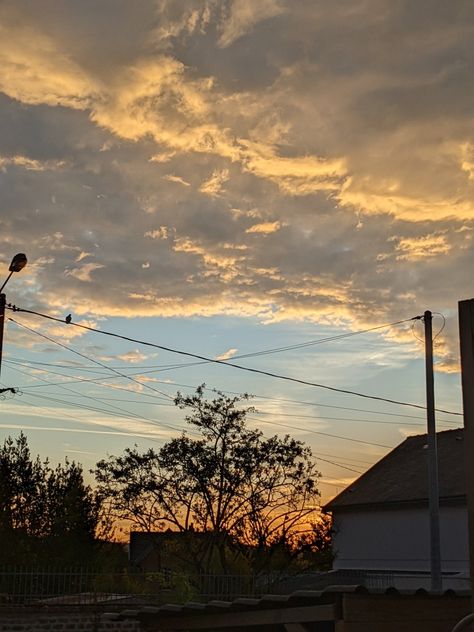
<point>402,475</point>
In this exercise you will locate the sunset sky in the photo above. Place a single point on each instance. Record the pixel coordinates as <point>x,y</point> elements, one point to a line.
<point>226,177</point>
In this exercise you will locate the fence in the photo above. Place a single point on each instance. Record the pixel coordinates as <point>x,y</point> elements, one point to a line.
<point>78,586</point>
<point>31,586</point>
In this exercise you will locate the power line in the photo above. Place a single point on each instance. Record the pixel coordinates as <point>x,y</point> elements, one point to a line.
<point>272,350</point>
<point>98,381</point>
<point>122,413</point>
<point>163,424</point>
<point>114,431</point>
<point>344,467</point>
<point>405,416</point>
<point>131,415</point>
<point>82,355</point>
<point>276,399</point>
<point>79,430</point>
<point>238,366</point>
<point>326,482</point>
<point>324,434</point>
<point>350,461</point>
<point>73,366</point>
<point>273,423</point>
<point>363,421</point>
<point>260,412</point>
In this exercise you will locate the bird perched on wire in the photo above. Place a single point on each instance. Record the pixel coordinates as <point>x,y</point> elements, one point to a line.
<point>68,318</point>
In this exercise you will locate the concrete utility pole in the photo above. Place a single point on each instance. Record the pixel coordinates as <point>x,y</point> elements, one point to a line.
<point>466,335</point>
<point>435,540</point>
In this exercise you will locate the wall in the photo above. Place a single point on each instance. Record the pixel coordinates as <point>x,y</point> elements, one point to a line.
<point>398,539</point>
<point>398,613</point>
<point>63,622</point>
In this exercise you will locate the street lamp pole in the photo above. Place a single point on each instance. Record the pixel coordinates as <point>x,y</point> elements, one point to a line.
<point>17,264</point>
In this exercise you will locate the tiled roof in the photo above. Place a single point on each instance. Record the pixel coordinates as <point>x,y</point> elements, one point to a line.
<point>299,598</point>
<point>402,475</point>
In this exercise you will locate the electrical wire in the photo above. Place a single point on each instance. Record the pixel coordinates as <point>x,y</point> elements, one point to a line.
<point>273,399</point>
<point>233,364</point>
<point>121,413</point>
<point>344,467</point>
<point>326,482</point>
<point>82,355</point>
<point>349,461</point>
<point>364,421</point>
<point>114,431</point>
<point>439,332</point>
<point>272,350</point>
<point>262,421</point>
<point>323,434</point>
<point>163,424</point>
<point>97,381</point>
<point>260,412</point>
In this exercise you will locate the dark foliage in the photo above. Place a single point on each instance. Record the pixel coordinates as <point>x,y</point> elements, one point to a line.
<point>245,491</point>
<point>47,516</point>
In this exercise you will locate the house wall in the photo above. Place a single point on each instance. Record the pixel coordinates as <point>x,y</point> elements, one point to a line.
<point>398,613</point>
<point>399,539</point>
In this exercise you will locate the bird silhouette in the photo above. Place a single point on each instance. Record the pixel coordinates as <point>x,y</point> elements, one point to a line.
<point>68,318</point>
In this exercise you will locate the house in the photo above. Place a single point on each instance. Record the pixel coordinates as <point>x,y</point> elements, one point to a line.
<point>382,519</point>
<point>166,550</point>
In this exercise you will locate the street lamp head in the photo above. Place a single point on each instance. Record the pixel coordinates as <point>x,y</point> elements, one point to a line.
<point>19,261</point>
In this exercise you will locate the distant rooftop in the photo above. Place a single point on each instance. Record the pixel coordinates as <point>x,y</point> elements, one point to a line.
<point>402,475</point>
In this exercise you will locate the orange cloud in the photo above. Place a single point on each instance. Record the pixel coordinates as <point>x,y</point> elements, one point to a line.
<point>416,248</point>
<point>265,228</point>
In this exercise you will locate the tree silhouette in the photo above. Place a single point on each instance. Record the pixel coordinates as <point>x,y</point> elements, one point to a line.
<point>230,482</point>
<point>46,515</point>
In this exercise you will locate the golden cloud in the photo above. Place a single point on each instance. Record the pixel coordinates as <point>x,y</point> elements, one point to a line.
<point>370,196</point>
<point>35,71</point>
<point>265,228</point>
<point>83,273</point>
<point>30,164</point>
<point>416,248</point>
<point>155,97</point>
<point>212,259</point>
<point>177,179</point>
<point>213,186</point>
<point>163,232</point>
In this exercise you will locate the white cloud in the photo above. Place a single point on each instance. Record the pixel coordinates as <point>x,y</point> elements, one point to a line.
<point>227,355</point>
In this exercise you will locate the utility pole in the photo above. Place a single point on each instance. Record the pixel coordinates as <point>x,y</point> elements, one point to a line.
<point>3,301</point>
<point>466,335</point>
<point>435,540</point>
<point>17,264</point>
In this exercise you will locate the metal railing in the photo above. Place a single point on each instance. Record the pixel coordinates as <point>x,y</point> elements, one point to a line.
<point>28,586</point>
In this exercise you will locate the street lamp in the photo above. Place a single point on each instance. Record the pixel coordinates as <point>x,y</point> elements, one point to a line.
<point>17,264</point>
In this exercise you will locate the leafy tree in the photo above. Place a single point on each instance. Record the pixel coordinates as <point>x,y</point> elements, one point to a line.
<point>305,549</point>
<point>46,515</point>
<point>230,482</point>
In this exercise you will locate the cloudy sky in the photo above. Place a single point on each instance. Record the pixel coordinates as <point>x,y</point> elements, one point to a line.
<point>225,177</point>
